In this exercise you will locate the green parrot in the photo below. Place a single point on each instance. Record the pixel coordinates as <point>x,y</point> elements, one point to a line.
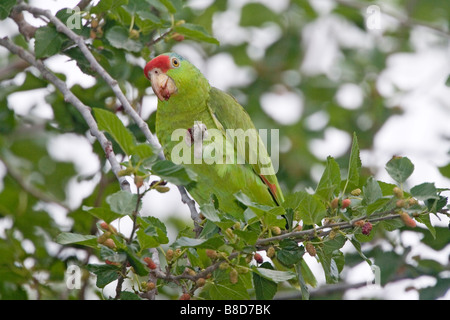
<point>208,131</point>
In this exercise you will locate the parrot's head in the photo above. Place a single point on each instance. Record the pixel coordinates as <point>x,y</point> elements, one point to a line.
<point>169,73</point>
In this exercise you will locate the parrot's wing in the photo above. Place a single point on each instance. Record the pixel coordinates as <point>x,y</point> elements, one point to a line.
<point>232,117</point>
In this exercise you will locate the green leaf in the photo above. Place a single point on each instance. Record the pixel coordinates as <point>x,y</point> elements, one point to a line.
<point>371,191</point>
<point>122,202</point>
<point>118,37</point>
<point>169,6</point>
<point>424,191</point>
<point>107,6</point>
<point>265,289</point>
<point>75,238</point>
<point>104,214</point>
<point>303,287</point>
<point>5,8</point>
<point>211,243</point>
<point>256,14</point>
<point>447,83</point>
<point>354,165</point>
<point>445,170</point>
<point>48,42</point>
<point>400,168</point>
<point>173,173</point>
<point>105,273</point>
<point>330,180</point>
<point>290,252</point>
<point>311,209</point>
<point>134,261</point>
<point>109,122</point>
<point>274,275</point>
<point>127,295</point>
<point>152,232</point>
<point>250,237</point>
<point>195,32</point>
<point>210,212</point>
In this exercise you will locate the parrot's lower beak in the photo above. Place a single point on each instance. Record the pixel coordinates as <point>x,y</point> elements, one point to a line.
<point>163,86</point>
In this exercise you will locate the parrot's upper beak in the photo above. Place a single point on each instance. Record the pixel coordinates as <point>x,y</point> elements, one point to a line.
<point>163,85</point>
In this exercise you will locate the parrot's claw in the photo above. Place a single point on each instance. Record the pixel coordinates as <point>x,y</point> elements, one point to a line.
<point>197,133</point>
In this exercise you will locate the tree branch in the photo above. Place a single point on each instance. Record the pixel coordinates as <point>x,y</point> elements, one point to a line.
<point>71,98</point>
<point>151,139</point>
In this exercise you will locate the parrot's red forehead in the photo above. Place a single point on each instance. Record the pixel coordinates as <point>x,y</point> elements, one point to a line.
<point>162,62</point>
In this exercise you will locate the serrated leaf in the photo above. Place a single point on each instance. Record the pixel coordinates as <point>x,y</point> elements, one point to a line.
<point>311,210</point>
<point>65,238</point>
<point>210,212</point>
<point>290,252</point>
<point>195,32</point>
<point>48,42</point>
<point>400,168</point>
<point>122,202</point>
<point>371,191</point>
<point>105,273</point>
<point>118,37</point>
<point>330,181</point>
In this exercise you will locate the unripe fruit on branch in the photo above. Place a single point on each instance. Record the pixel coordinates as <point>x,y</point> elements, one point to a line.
<point>400,203</point>
<point>151,285</point>
<point>271,252</point>
<point>397,192</point>
<point>356,192</point>
<point>224,266</point>
<point>150,263</point>
<point>109,243</point>
<point>276,230</point>
<point>359,223</point>
<point>169,255</point>
<point>200,282</point>
<point>335,203</point>
<point>407,220</point>
<point>185,296</point>
<point>138,181</point>
<point>234,276</point>
<point>105,236</point>
<point>212,254</point>
<point>345,203</point>
<point>310,249</point>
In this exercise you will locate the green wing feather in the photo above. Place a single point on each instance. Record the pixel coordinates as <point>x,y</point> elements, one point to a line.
<point>229,114</point>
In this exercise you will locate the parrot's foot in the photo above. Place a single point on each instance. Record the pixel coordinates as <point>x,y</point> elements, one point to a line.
<point>197,133</point>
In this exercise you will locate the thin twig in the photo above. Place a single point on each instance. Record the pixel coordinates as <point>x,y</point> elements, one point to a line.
<point>71,98</point>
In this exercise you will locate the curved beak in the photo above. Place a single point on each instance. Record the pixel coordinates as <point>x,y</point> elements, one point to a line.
<point>163,86</point>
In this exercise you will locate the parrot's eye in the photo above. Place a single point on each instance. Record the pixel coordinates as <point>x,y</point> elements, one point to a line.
<point>175,63</point>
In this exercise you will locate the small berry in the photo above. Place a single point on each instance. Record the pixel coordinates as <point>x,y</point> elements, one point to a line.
<point>298,228</point>
<point>190,272</point>
<point>271,252</point>
<point>162,189</point>
<point>200,282</point>
<point>412,201</point>
<point>177,37</point>
<point>407,220</point>
<point>356,192</point>
<point>258,258</point>
<point>185,296</point>
<point>276,230</point>
<point>397,192</point>
<point>104,225</point>
<point>359,223</point>
<point>212,254</point>
<point>400,203</point>
<point>150,263</point>
<point>332,234</point>
<point>366,228</point>
<point>234,276</point>
<point>335,203</point>
<point>169,255</point>
<point>151,285</point>
<point>109,243</point>
<point>310,249</point>
<point>105,236</point>
<point>224,266</point>
<point>345,203</point>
